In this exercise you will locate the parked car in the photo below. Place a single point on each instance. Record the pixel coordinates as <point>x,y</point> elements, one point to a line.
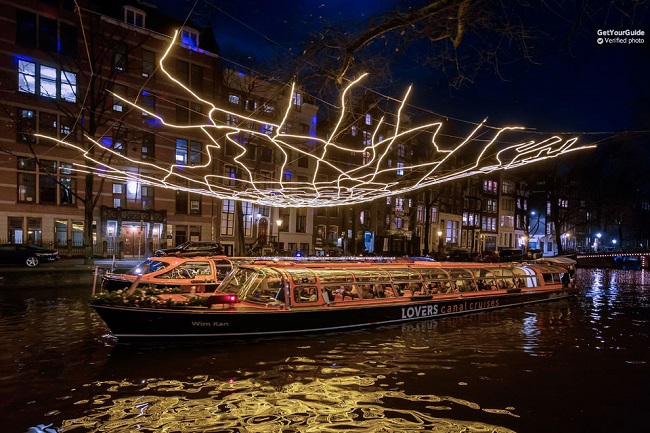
<point>511,255</point>
<point>533,254</point>
<point>489,257</point>
<point>458,255</point>
<point>30,255</point>
<point>192,249</point>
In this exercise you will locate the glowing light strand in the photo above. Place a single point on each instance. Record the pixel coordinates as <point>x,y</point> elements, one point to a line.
<point>348,184</point>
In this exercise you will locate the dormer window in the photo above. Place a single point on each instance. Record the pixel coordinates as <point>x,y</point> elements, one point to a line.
<point>134,16</point>
<point>190,37</point>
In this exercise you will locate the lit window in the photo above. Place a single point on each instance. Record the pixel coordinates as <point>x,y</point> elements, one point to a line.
<point>68,86</point>
<point>48,81</point>
<point>400,169</point>
<point>297,99</point>
<point>26,76</point>
<point>181,151</point>
<point>233,99</point>
<point>368,119</point>
<point>190,37</point>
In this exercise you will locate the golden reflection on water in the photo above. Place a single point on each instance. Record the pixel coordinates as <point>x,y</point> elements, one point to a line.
<point>330,404</point>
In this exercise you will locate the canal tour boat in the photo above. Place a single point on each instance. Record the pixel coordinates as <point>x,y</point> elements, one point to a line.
<point>283,298</point>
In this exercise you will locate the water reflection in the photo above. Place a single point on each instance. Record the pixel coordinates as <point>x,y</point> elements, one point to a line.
<point>522,369</point>
<point>333,402</point>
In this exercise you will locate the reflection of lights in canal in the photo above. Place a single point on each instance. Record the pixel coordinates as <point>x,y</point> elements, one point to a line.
<point>332,404</point>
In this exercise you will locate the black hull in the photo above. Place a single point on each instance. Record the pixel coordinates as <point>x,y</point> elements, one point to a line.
<point>131,323</point>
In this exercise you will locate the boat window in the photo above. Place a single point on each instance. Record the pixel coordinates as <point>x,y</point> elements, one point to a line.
<point>463,279</point>
<point>404,274</point>
<point>432,274</point>
<point>346,292</point>
<point>302,276</point>
<point>334,276</point>
<point>258,284</point>
<point>370,275</point>
<point>525,277</point>
<point>222,267</point>
<point>147,267</point>
<point>305,294</point>
<point>188,270</point>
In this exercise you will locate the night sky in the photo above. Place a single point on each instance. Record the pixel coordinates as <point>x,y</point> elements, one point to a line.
<point>573,84</point>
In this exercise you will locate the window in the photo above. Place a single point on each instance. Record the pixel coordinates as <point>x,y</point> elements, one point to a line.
<point>367,138</point>
<point>434,215</point>
<point>68,185</point>
<point>47,124</point>
<point>231,174</point>
<point>296,98</point>
<point>247,210</point>
<point>148,145</point>
<point>120,57</point>
<point>367,157</point>
<point>195,204</point>
<point>228,218</point>
<point>401,150</point>
<point>53,187</point>
<point>181,202</point>
<point>301,220</point>
<point>451,235</point>
<point>490,205</point>
<point>196,78</point>
<point>190,37</point>
<point>26,125</point>
<point>303,161</point>
<point>196,149</point>
<point>68,86</point>
<point>47,79</point>
<point>148,102</point>
<point>400,169</point>
<point>27,187</point>
<point>196,113</point>
<point>182,112</point>
<point>67,130</point>
<point>134,16</point>
<point>47,34</point>
<point>183,72</point>
<point>181,151</point>
<point>266,154</point>
<point>368,119</point>
<point>490,186</point>
<point>250,105</point>
<point>118,104</point>
<point>148,63</point>
<point>233,99</point>
<point>26,76</point>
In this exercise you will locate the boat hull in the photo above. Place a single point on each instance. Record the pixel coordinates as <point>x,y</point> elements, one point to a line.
<point>129,323</point>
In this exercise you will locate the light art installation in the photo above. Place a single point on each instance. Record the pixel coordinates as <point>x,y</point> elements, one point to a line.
<point>347,183</point>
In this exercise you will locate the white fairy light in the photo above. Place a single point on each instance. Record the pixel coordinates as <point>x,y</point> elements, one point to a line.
<point>351,184</point>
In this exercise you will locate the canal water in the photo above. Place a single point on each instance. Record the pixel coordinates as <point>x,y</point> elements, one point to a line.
<point>577,365</point>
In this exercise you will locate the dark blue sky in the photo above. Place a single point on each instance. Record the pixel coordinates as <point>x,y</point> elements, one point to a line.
<point>572,84</point>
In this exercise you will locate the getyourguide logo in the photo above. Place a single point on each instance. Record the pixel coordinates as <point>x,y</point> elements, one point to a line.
<point>627,36</point>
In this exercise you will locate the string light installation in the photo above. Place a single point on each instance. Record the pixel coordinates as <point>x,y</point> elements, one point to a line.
<point>347,183</point>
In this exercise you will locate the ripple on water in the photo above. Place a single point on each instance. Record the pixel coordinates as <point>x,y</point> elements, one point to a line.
<point>333,404</point>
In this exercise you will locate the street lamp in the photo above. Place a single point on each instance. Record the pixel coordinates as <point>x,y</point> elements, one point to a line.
<point>614,243</point>
<point>279,224</point>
